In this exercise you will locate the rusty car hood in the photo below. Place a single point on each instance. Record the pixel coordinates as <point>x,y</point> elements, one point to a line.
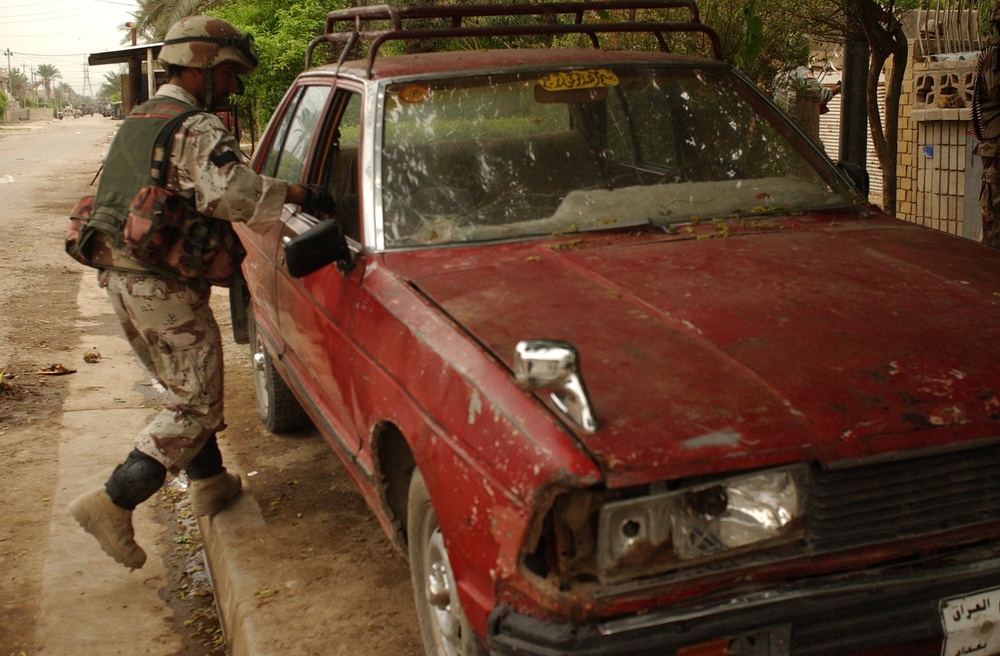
<point>805,339</point>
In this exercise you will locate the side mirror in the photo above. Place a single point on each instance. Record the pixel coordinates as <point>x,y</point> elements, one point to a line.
<point>317,247</point>
<point>554,366</point>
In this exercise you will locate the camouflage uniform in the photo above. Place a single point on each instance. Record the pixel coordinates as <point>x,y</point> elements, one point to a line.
<point>987,92</point>
<point>172,331</point>
<point>168,323</point>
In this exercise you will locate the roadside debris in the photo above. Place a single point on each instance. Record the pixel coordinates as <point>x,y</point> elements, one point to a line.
<point>191,594</point>
<point>55,370</point>
<point>6,386</point>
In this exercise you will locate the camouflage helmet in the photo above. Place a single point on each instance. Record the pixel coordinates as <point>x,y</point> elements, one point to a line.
<point>205,42</point>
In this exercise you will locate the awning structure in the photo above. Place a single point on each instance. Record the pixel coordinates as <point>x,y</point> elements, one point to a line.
<point>134,56</point>
<point>124,55</point>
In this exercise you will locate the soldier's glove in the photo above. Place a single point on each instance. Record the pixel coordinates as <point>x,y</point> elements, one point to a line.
<point>318,199</point>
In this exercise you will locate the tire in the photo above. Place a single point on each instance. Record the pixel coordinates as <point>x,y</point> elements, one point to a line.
<point>443,627</point>
<point>239,309</point>
<point>277,407</point>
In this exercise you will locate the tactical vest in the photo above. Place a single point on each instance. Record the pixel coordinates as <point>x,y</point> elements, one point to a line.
<point>127,168</point>
<point>985,110</point>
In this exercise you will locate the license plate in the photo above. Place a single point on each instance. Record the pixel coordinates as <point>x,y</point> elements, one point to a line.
<point>971,624</point>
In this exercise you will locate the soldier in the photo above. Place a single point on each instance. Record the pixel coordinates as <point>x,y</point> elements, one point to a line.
<point>167,319</point>
<point>986,125</point>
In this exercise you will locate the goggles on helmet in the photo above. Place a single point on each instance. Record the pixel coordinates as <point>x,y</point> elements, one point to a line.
<point>244,44</point>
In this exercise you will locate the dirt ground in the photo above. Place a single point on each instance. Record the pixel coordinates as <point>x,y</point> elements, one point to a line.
<point>337,580</point>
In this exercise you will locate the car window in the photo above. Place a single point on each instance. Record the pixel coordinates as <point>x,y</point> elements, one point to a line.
<point>287,157</point>
<point>273,153</point>
<point>535,153</point>
<point>341,172</point>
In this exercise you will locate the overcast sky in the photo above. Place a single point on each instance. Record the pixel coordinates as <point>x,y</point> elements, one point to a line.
<point>63,33</point>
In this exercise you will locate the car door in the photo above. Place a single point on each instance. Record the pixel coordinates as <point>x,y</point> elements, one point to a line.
<point>283,156</point>
<point>315,311</point>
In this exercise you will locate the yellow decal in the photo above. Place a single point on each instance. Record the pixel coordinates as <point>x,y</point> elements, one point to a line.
<point>415,93</point>
<point>567,80</point>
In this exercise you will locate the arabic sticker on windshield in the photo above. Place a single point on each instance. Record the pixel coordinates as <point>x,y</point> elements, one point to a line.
<point>587,79</point>
<point>971,624</point>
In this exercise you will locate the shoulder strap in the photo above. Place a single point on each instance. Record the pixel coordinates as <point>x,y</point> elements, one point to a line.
<point>977,101</point>
<point>158,167</point>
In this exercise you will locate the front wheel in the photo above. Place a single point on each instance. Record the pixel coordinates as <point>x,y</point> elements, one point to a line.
<point>443,627</point>
<point>277,407</point>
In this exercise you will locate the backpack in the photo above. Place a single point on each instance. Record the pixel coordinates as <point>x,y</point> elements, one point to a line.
<point>80,242</point>
<point>162,231</point>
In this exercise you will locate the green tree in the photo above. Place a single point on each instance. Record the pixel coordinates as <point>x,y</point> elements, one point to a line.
<point>281,35</point>
<point>111,89</point>
<point>65,93</point>
<point>154,17</point>
<point>18,83</point>
<point>48,73</point>
<point>761,37</point>
<point>877,23</point>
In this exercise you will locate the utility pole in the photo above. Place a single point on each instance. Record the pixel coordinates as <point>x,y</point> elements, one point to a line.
<point>10,83</point>
<point>854,94</point>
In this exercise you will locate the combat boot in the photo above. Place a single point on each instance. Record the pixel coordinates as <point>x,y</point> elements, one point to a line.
<point>111,525</point>
<point>210,495</point>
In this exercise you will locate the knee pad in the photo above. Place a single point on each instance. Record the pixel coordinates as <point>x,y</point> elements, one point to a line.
<point>135,480</point>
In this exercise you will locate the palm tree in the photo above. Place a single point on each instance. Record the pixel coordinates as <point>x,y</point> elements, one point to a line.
<point>65,93</point>
<point>155,17</point>
<point>18,83</point>
<point>111,90</point>
<point>48,72</point>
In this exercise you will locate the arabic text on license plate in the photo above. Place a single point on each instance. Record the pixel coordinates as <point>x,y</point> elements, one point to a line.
<point>971,624</point>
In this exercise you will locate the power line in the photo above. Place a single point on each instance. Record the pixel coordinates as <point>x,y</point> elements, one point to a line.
<point>35,55</point>
<point>35,17</point>
<point>63,2</point>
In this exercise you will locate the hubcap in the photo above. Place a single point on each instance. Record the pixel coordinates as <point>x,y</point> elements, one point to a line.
<point>440,590</point>
<point>260,377</point>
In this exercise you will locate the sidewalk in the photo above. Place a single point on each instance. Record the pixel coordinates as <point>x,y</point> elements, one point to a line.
<point>86,596</point>
<point>88,599</point>
<point>311,574</point>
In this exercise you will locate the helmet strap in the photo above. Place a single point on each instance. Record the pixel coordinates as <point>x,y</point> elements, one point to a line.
<point>209,89</point>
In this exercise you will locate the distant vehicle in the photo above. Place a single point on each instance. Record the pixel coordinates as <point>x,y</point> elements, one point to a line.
<point>618,356</point>
<point>68,111</point>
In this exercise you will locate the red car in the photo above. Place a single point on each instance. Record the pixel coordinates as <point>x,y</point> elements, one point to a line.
<point>619,357</point>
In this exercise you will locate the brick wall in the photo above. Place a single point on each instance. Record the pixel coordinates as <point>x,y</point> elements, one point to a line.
<point>933,149</point>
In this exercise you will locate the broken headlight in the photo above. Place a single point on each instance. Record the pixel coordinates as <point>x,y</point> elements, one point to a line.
<point>652,534</point>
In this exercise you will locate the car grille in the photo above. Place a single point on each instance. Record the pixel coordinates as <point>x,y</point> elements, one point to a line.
<point>904,499</point>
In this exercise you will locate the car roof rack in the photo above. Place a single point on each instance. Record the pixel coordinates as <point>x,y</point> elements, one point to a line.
<point>354,26</point>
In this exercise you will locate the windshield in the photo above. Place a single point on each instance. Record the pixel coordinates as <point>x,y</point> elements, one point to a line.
<point>503,157</point>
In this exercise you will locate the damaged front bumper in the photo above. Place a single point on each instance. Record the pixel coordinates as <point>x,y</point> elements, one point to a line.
<point>818,618</point>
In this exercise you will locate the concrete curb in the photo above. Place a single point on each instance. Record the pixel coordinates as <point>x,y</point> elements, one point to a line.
<point>236,588</point>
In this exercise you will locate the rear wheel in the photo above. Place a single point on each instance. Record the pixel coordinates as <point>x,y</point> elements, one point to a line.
<point>443,627</point>
<point>277,407</point>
